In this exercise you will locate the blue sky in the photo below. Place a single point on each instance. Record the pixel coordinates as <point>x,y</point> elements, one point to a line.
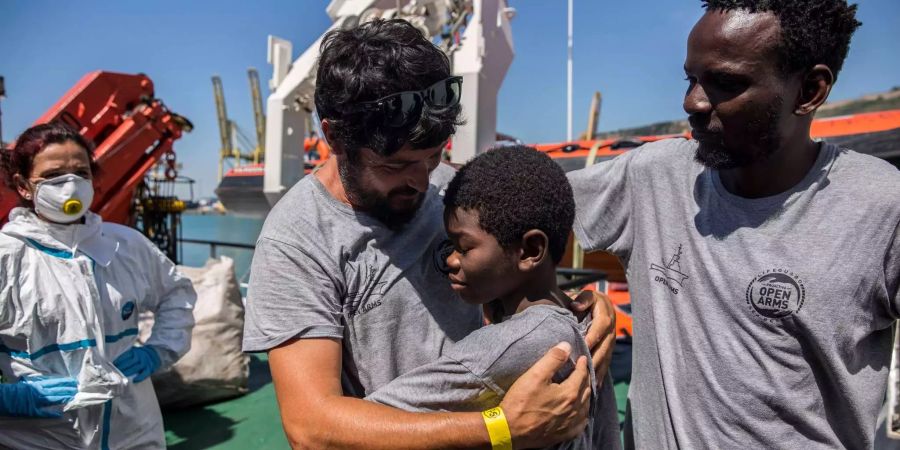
<point>631,51</point>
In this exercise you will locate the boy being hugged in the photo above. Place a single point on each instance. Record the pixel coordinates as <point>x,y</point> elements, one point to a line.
<point>508,214</point>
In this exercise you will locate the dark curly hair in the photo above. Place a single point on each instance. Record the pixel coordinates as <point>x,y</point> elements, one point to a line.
<point>371,61</point>
<point>812,31</point>
<point>19,158</point>
<point>515,189</point>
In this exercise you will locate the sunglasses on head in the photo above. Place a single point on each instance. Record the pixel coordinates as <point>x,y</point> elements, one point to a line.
<point>403,108</point>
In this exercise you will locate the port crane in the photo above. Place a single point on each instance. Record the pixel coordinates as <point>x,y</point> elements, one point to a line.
<point>230,133</point>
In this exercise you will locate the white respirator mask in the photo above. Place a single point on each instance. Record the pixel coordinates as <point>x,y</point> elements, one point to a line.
<point>63,199</point>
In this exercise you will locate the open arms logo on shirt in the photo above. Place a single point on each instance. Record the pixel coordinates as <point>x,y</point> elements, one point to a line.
<point>369,287</point>
<point>776,293</point>
<point>670,272</point>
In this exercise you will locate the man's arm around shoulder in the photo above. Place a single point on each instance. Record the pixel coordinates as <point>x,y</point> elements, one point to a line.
<point>316,414</point>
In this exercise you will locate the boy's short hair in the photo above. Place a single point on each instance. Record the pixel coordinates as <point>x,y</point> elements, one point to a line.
<point>515,189</point>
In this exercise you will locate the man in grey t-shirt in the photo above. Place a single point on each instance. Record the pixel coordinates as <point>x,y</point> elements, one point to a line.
<point>764,266</point>
<point>346,291</point>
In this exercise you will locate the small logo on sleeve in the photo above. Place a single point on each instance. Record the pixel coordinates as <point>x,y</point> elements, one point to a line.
<point>670,274</point>
<point>776,294</point>
<point>440,254</point>
<point>127,310</point>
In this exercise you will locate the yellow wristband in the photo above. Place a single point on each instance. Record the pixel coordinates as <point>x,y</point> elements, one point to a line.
<point>498,429</point>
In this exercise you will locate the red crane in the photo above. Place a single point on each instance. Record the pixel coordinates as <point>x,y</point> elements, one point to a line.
<point>131,129</point>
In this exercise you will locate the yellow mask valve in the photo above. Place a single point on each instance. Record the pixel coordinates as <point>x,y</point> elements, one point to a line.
<point>72,207</point>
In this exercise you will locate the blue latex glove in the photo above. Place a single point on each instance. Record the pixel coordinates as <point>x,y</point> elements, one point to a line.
<point>139,362</point>
<point>31,396</point>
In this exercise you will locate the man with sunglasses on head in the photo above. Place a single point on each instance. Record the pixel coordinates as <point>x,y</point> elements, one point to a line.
<point>346,288</point>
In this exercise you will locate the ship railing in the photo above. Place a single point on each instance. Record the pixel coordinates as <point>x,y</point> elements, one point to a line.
<point>576,278</point>
<point>214,247</point>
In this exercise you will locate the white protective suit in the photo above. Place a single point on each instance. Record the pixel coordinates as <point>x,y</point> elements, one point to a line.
<point>70,296</point>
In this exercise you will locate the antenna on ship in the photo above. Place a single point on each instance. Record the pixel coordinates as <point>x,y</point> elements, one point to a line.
<point>2,96</point>
<point>569,84</point>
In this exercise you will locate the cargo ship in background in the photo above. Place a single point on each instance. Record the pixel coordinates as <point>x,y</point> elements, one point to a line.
<point>241,188</point>
<point>240,191</point>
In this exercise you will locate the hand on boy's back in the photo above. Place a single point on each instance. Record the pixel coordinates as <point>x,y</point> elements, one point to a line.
<point>601,336</point>
<point>542,413</point>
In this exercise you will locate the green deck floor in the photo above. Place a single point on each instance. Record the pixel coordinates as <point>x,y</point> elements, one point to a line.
<point>250,422</point>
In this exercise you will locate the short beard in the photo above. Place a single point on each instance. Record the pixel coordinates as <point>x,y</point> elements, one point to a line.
<point>373,203</point>
<point>714,155</point>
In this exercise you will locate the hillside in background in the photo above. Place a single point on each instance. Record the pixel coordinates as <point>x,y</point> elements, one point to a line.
<point>868,103</point>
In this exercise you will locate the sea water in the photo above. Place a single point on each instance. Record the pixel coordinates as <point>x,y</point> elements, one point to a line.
<point>222,228</point>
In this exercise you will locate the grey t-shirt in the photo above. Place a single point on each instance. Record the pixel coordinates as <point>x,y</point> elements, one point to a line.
<point>475,373</point>
<point>758,323</point>
<point>324,270</point>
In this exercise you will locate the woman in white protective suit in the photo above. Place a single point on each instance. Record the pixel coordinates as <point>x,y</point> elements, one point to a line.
<point>71,289</point>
